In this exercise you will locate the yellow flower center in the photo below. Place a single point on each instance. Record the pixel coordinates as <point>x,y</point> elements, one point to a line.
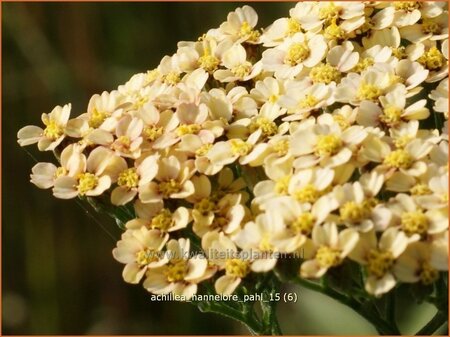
<point>353,212</point>
<point>325,73</point>
<point>432,59</point>
<point>414,222</point>
<point>60,171</point>
<point>297,53</point>
<point>369,92</point>
<point>128,178</point>
<point>273,98</point>
<point>428,274</point>
<point>268,127</point>
<point>208,62</point>
<point>402,141</point>
<point>327,145</point>
<point>265,244</point>
<point>146,256</point>
<point>431,27</point>
<point>334,32</point>
<point>247,32</point>
<point>308,102</point>
<point>204,149</point>
<point>342,121</point>
<point>188,129</point>
<point>242,70</point>
<point>399,159</point>
<point>399,52</point>
<point>237,267</point>
<point>166,188</point>
<point>176,270</point>
<point>239,147</point>
<point>293,26</point>
<point>406,5</point>
<point>281,147</point>
<point>53,130</point>
<point>152,75</point>
<point>86,182</point>
<point>219,222</point>
<point>139,101</point>
<point>391,115</point>
<point>309,193</point>
<point>363,64</point>
<point>420,189</point>
<point>303,224</point>
<point>96,118</point>
<point>379,262</point>
<point>329,13</point>
<point>282,185</point>
<point>205,206</point>
<point>152,132</point>
<point>328,257</point>
<point>162,220</point>
<point>172,78</point>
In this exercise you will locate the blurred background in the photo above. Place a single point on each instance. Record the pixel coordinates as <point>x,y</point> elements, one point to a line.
<point>59,276</point>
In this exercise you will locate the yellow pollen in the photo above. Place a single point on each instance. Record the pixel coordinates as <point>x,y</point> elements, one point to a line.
<point>96,118</point>
<point>399,52</point>
<point>60,171</point>
<point>268,127</point>
<point>415,222</point>
<point>370,203</point>
<point>176,270</point>
<point>334,32</point>
<point>406,5</point>
<point>162,220</point>
<point>152,132</point>
<point>53,131</point>
<point>328,257</point>
<point>363,64</point>
<point>297,53</point>
<point>329,13</point>
<point>139,101</point>
<point>431,27</point>
<point>208,62</point>
<point>303,224</point>
<point>172,78</point>
<point>188,129</point>
<point>204,206</point>
<point>146,256</point>
<point>128,178</point>
<point>152,75</point>
<point>309,193</point>
<point>281,147</point>
<point>273,99</point>
<point>391,115</point>
<point>428,274</point>
<point>399,159</point>
<point>420,189</point>
<point>242,70</point>
<point>327,145</point>
<point>432,59</point>
<point>219,222</point>
<point>237,267</point>
<point>265,244</point>
<point>248,33</point>
<point>239,147</point>
<point>86,182</point>
<point>308,102</point>
<point>369,92</point>
<point>342,121</point>
<point>379,262</point>
<point>353,212</point>
<point>325,73</point>
<point>402,141</point>
<point>204,149</point>
<point>281,186</point>
<point>293,27</point>
<point>124,140</point>
<point>166,188</point>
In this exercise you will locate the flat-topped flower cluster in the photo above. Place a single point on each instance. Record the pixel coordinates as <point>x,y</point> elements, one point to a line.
<point>314,134</point>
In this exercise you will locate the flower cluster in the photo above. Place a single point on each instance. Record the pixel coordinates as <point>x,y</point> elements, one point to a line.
<point>316,134</point>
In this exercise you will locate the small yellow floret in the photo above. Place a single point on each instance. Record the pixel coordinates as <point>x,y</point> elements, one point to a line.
<point>379,262</point>
<point>415,222</point>
<point>128,178</point>
<point>328,145</point>
<point>399,159</point>
<point>237,267</point>
<point>297,53</point>
<point>328,257</point>
<point>86,182</point>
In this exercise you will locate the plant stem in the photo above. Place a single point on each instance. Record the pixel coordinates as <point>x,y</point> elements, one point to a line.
<point>432,326</point>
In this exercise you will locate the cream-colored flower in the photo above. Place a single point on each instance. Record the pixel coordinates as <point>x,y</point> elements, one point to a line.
<point>102,168</point>
<point>54,133</point>
<point>378,257</point>
<point>240,25</point>
<point>180,274</point>
<point>139,250</point>
<point>440,96</point>
<point>435,28</point>
<point>331,247</point>
<point>288,59</point>
<point>269,90</point>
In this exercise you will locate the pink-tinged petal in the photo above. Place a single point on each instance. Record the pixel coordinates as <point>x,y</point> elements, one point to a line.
<point>264,265</point>
<point>98,159</point>
<point>122,195</point>
<point>29,135</point>
<point>101,137</point>
<point>150,193</point>
<point>157,283</point>
<point>196,267</point>
<point>133,273</point>
<point>226,284</point>
<point>104,183</point>
<point>312,269</point>
<point>65,188</point>
<point>123,255</point>
<point>43,175</point>
<point>148,169</point>
<point>379,286</point>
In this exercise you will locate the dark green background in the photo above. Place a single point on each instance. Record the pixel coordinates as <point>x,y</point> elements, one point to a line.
<point>59,276</point>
